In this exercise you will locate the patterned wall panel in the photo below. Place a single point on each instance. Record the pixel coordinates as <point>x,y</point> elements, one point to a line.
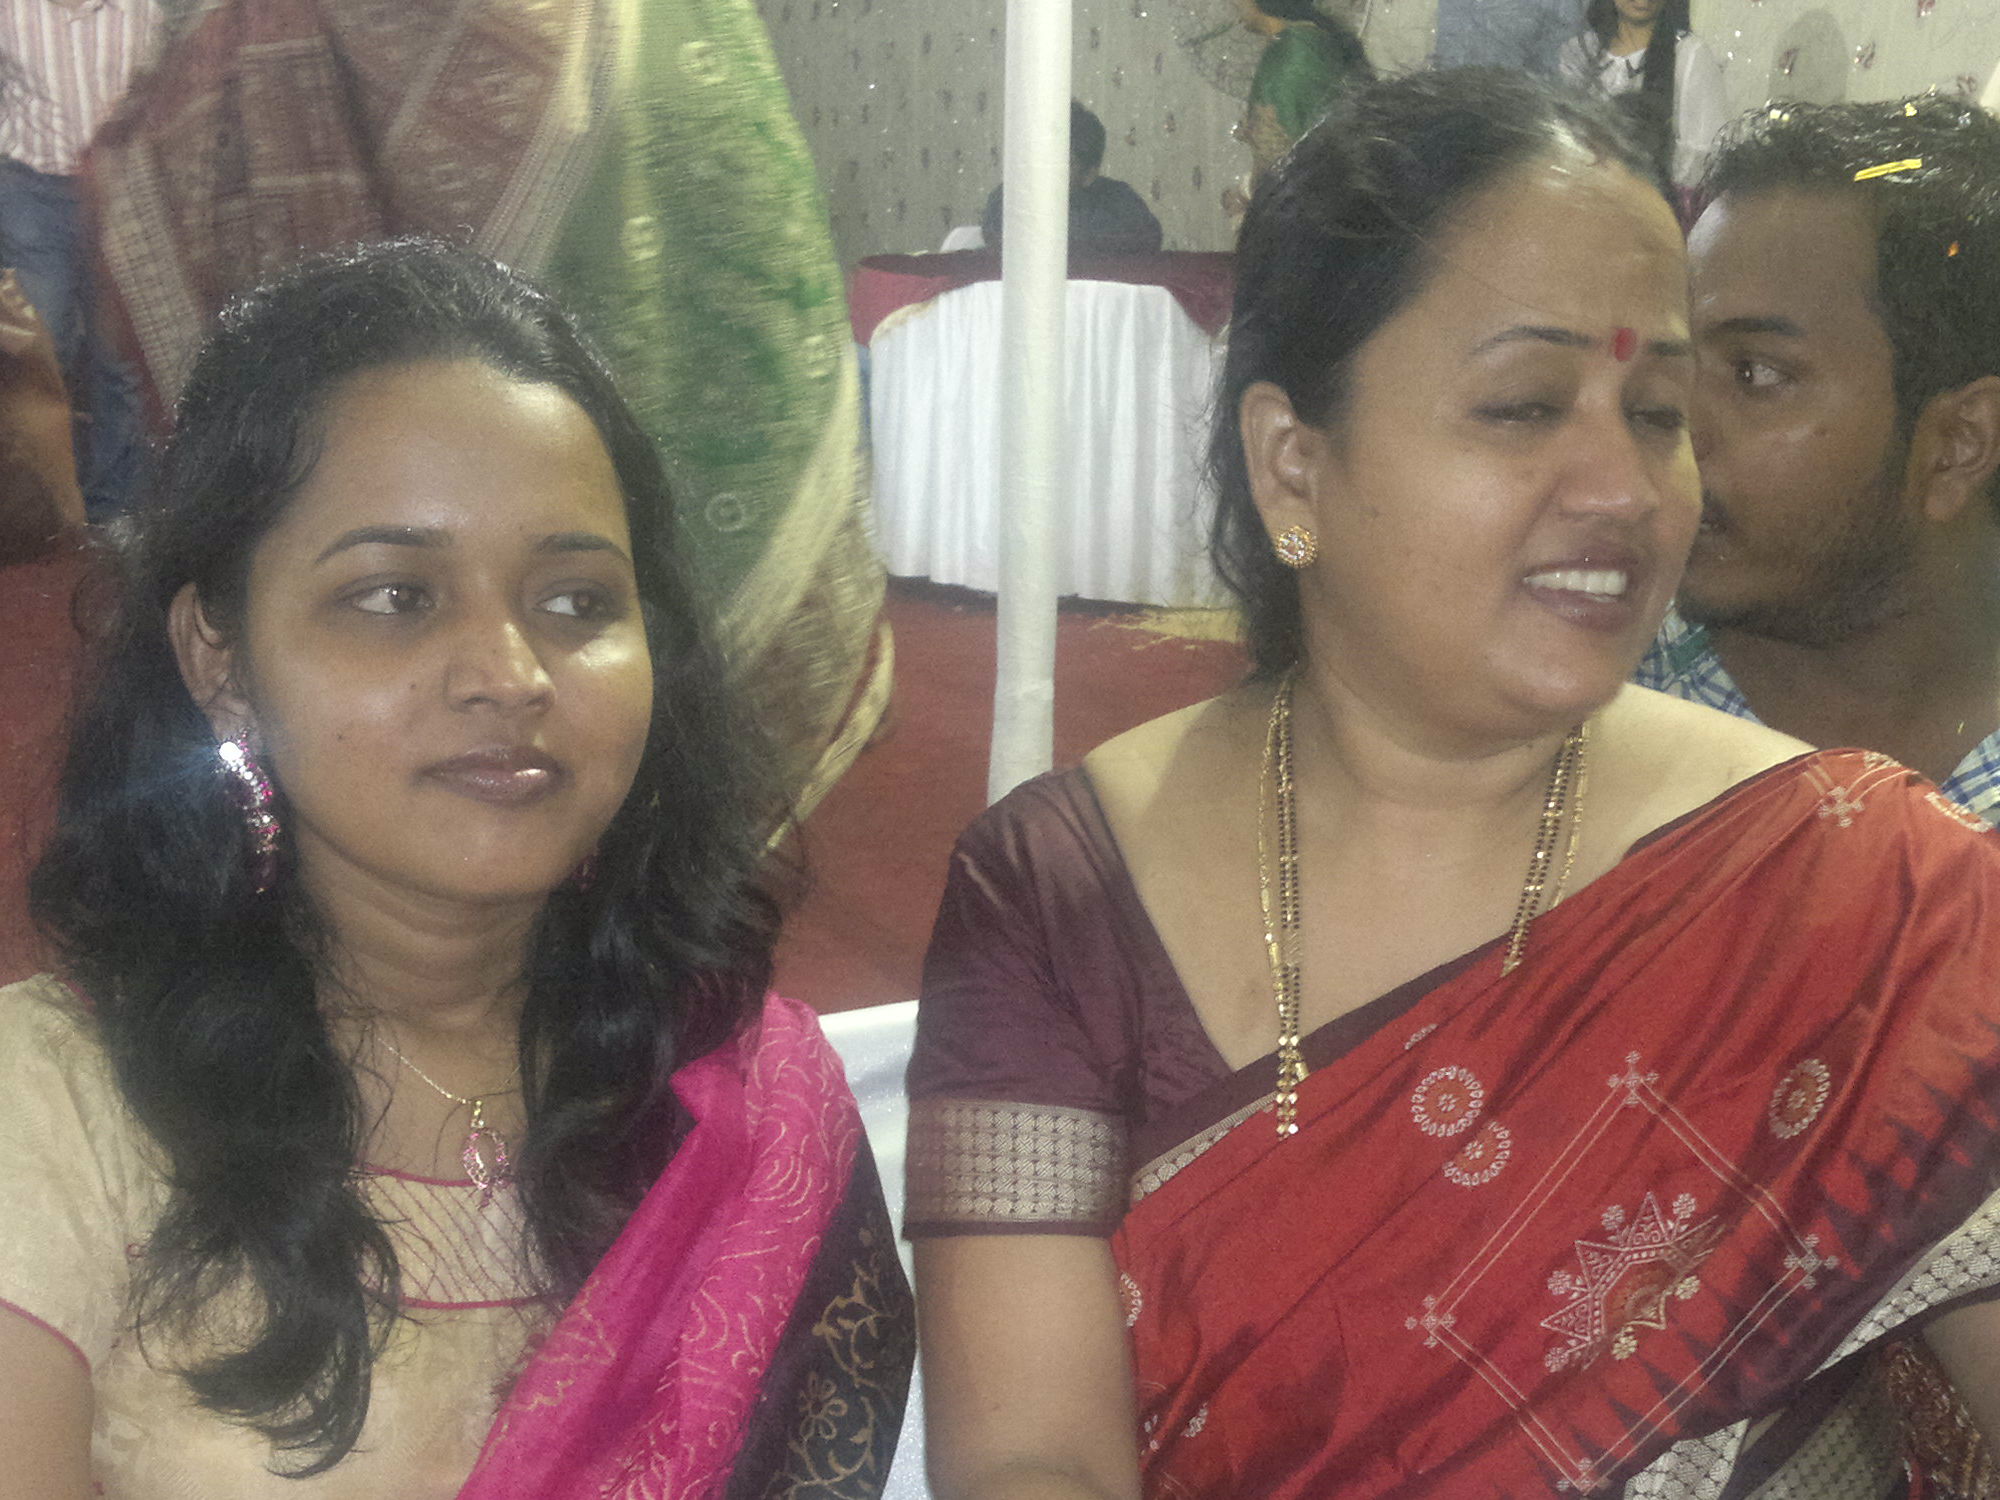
<point>901,99</point>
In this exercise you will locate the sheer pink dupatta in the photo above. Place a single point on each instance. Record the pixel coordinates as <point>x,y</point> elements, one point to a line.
<point>645,1386</point>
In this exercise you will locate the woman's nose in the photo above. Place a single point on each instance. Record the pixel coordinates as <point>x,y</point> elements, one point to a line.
<point>1612,473</point>
<point>494,662</point>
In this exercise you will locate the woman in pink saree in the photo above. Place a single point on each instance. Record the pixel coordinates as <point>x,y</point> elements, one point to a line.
<point>407,1114</point>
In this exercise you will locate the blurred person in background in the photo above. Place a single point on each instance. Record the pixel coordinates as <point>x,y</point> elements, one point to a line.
<point>1105,215</point>
<point>1642,54</point>
<point>1310,60</point>
<point>64,67</point>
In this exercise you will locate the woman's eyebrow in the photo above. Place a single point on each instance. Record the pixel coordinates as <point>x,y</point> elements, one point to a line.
<point>1570,338</point>
<point>385,536</point>
<point>580,541</point>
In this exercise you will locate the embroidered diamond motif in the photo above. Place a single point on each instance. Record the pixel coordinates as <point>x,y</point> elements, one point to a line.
<point>1809,1262</point>
<point>1627,1280</point>
<point>1632,1080</point>
<point>1841,805</point>
<point>1431,1321</point>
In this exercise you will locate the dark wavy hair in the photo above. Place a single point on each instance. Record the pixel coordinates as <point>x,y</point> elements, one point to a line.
<point>1937,226</point>
<point>1336,241</point>
<point>1653,108</point>
<point>206,994</point>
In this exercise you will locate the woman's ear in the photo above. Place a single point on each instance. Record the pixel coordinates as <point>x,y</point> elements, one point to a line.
<point>208,665</point>
<point>1282,452</point>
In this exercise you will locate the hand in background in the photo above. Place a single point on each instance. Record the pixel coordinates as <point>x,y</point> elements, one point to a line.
<point>39,496</point>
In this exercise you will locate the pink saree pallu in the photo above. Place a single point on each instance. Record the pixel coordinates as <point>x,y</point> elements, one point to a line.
<point>1540,1234</point>
<point>750,1331</point>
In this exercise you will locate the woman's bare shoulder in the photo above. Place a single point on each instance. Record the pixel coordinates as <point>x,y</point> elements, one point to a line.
<point>1667,757</point>
<point>1185,747</point>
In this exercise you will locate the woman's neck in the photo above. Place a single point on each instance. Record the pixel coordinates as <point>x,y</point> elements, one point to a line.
<point>429,966</point>
<point>1630,38</point>
<point>1394,781</point>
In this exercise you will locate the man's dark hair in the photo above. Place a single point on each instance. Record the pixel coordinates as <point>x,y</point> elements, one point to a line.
<point>1086,138</point>
<point>1937,216</point>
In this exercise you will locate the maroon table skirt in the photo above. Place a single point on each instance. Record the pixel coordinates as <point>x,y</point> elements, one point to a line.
<point>1203,282</point>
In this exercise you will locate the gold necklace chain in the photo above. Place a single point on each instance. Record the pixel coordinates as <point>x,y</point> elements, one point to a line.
<point>480,1138</point>
<point>1278,824</point>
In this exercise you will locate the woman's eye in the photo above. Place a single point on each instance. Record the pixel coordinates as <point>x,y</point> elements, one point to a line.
<point>1520,413</point>
<point>1660,418</point>
<point>1755,375</point>
<point>581,604</point>
<point>391,599</point>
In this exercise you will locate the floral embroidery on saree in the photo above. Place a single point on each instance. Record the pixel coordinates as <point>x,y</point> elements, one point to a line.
<point>1447,1101</point>
<point>1642,1275</point>
<point>1623,1282</point>
<point>1798,1099</point>
<point>1482,1158</point>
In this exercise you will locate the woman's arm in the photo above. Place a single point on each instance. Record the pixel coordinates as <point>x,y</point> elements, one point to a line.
<point>1027,1372</point>
<point>45,1414</point>
<point>1966,1342</point>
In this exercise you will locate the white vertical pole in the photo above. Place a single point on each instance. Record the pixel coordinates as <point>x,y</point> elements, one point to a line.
<point>1033,276</point>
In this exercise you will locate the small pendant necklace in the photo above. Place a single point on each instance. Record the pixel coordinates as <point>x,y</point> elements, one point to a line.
<point>1277,804</point>
<point>484,1153</point>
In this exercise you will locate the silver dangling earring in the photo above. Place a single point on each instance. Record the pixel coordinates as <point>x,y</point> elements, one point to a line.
<point>250,789</point>
<point>1296,547</point>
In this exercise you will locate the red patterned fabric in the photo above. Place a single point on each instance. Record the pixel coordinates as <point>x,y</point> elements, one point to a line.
<point>1203,282</point>
<point>1538,1228</point>
<point>275,126</point>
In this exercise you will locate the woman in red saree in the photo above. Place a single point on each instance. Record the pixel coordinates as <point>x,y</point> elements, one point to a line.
<point>408,1114</point>
<point>1585,1181</point>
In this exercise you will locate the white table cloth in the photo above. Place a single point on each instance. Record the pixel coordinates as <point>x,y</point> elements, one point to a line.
<point>874,1044</point>
<point>1139,382</point>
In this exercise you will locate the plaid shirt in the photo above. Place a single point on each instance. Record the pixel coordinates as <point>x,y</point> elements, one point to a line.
<point>1681,662</point>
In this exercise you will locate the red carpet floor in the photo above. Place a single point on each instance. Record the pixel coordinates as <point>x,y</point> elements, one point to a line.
<point>879,842</point>
<point>38,656</point>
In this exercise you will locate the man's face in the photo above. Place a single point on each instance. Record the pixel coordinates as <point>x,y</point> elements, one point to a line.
<point>1805,533</point>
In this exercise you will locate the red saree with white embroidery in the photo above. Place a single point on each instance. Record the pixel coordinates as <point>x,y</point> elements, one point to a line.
<point>1620,1218</point>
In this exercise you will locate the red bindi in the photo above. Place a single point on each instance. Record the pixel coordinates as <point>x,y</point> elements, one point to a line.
<point>1624,344</point>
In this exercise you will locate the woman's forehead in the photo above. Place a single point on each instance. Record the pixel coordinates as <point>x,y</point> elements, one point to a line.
<point>1568,242</point>
<point>456,445</point>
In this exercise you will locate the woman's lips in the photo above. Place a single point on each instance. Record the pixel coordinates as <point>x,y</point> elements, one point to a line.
<point>504,777</point>
<point>1599,593</point>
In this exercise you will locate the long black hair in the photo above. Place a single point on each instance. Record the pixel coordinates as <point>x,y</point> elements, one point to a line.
<point>206,993</point>
<point>1335,242</point>
<point>1653,108</point>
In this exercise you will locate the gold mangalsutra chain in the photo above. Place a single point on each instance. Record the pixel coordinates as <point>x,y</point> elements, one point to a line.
<point>1278,805</point>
